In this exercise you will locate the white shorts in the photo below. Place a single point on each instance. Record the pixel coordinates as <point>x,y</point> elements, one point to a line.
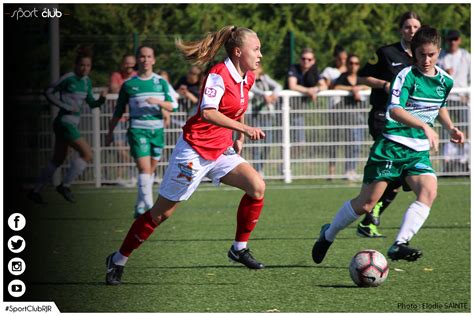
<point>187,168</point>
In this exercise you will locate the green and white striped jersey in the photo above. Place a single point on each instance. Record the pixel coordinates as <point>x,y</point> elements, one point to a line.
<point>422,96</point>
<point>134,92</point>
<point>73,91</point>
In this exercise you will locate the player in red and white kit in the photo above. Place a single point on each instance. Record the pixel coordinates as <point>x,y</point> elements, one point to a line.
<point>206,147</point>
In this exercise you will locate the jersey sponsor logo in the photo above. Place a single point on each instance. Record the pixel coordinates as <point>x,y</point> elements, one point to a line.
<point>210,92</point>
<point>186,171</point>
<point>396,64</point>
<point>396,92</point>
<point>440,91</point>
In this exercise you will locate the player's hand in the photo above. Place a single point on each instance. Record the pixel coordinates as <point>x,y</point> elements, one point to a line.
<point>238,145</point>
<point>457,136</point>
<point>104,92</point>
<point>153,100</point>
<point>109,138</point>
<point>433,137</point>
<point>254,133</point>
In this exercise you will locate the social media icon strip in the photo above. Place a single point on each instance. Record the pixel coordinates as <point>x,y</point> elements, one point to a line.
<point>16,221</point>
<point>16,266</point>
<point>16,244</point>
<point>16,288</point>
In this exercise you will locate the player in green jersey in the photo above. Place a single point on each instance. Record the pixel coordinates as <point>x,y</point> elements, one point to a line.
<point>417,97</point>
<point>148,97</point>
<point>74,88</point>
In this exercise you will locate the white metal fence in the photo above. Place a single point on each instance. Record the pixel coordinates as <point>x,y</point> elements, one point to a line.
<point>326,139</point>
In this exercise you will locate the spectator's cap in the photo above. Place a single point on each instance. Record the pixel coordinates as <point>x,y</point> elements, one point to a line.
<point>453,35</point>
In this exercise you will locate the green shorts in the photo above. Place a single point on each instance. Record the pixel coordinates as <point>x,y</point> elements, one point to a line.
<point>65,131</point>
<point>146,142</point>
<point>390,161</point>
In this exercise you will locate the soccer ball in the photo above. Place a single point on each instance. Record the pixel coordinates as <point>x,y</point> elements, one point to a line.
<point>368,268</point>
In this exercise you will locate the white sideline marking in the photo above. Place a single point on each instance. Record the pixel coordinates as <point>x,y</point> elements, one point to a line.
<point>269,187</point>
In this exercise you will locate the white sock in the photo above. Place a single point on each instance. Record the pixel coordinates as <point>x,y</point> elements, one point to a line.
<point>344,217</point>
<point>414,217</point>
<point>119,259</point>
<point>239,245</point>
<point>45,176</point>
<point>77,167</point>
<point>149,192</point>
<point>143,188</point>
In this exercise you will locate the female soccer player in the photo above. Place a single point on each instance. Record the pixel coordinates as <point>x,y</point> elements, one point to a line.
<point>378,73</point>
<point>74,88</point>
<point>417,97</point>
<point>147,95</point>
<point>206,147</point>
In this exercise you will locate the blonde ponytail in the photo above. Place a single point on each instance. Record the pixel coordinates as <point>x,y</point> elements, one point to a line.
<point>203,51</point>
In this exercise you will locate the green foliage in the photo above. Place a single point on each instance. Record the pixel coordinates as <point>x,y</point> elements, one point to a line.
<point>361,28</point>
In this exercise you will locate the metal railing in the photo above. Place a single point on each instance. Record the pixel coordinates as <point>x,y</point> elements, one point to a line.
<point>325,139</point>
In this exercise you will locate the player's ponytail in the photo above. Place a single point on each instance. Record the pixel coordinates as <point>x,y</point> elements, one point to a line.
<point>203,51</point>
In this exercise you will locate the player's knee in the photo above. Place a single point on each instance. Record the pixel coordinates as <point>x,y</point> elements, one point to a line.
<point>257,190</point>
<point>428,196</point>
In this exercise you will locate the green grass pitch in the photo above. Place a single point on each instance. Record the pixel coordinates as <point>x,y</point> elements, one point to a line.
<point>183,267</point>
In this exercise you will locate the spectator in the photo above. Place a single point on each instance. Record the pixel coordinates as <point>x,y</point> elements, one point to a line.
<point>116,80</point>
<point>350,81</point>
<point>304,78</point>
<point>188,87</point>
<point>330,74</point>
<point>456,61</point>
<point>126,71</point>
<point>266,91</point>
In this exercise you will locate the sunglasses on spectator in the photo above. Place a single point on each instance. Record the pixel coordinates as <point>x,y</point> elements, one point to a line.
<point>453,39</point>
<point>195,73</point>
<point>353,63</point>
<point>306,59</point>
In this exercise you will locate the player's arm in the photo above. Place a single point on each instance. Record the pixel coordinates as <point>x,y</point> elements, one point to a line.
<point>239,141</point>
<point>213,116</point>
<point>52,98</point>
<point>93,103</point>
<point>118,113</point>
<point>456,135</point>
<point>168,103</point>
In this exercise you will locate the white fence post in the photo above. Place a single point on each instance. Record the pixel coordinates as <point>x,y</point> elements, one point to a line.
<point>286,138</point>
<point>96,147</point>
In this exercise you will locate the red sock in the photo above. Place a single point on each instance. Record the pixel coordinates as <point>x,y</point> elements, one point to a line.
<point>141,229</point>
<point>247,216</point>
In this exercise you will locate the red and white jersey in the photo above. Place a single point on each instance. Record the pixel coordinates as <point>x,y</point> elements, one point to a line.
<point>226,91</point>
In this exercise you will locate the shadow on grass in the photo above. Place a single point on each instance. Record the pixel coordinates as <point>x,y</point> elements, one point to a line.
<point>239,266</point>
<point>338,286</point>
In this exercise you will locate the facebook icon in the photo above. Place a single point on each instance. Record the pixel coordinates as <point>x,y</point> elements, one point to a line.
<point>16,221</point>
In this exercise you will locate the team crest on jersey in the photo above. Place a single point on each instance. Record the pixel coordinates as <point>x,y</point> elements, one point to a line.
<point>396,92</point>
<point>156,81</point>
<point>440,91</point>
<point>186,171</point>
<point>210,92</point>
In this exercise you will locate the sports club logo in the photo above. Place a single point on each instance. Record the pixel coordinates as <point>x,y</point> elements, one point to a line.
<point>396,92</point>
<point>210,92</point>
<point>440,91</point>
<point>186,171</point>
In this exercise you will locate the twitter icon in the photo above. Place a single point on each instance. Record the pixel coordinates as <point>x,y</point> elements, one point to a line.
<point>16,244</point>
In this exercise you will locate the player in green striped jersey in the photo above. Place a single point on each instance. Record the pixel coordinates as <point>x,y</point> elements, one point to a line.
<point>418,97</point>
<point>148,97</point>
<point>75,89</point>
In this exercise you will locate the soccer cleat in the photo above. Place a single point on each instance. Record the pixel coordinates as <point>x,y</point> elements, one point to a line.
<point>321,246</point>
<point>66,193</point>
<point>138,211</point>
<point>36,197</point>
<point>244,257</point>
<point>369,231</point>
<point>375,214</point>
<point>114,272</point>
<point>403,252</point>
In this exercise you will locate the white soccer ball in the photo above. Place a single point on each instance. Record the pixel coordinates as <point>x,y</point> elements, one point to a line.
<point>368,268</point>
